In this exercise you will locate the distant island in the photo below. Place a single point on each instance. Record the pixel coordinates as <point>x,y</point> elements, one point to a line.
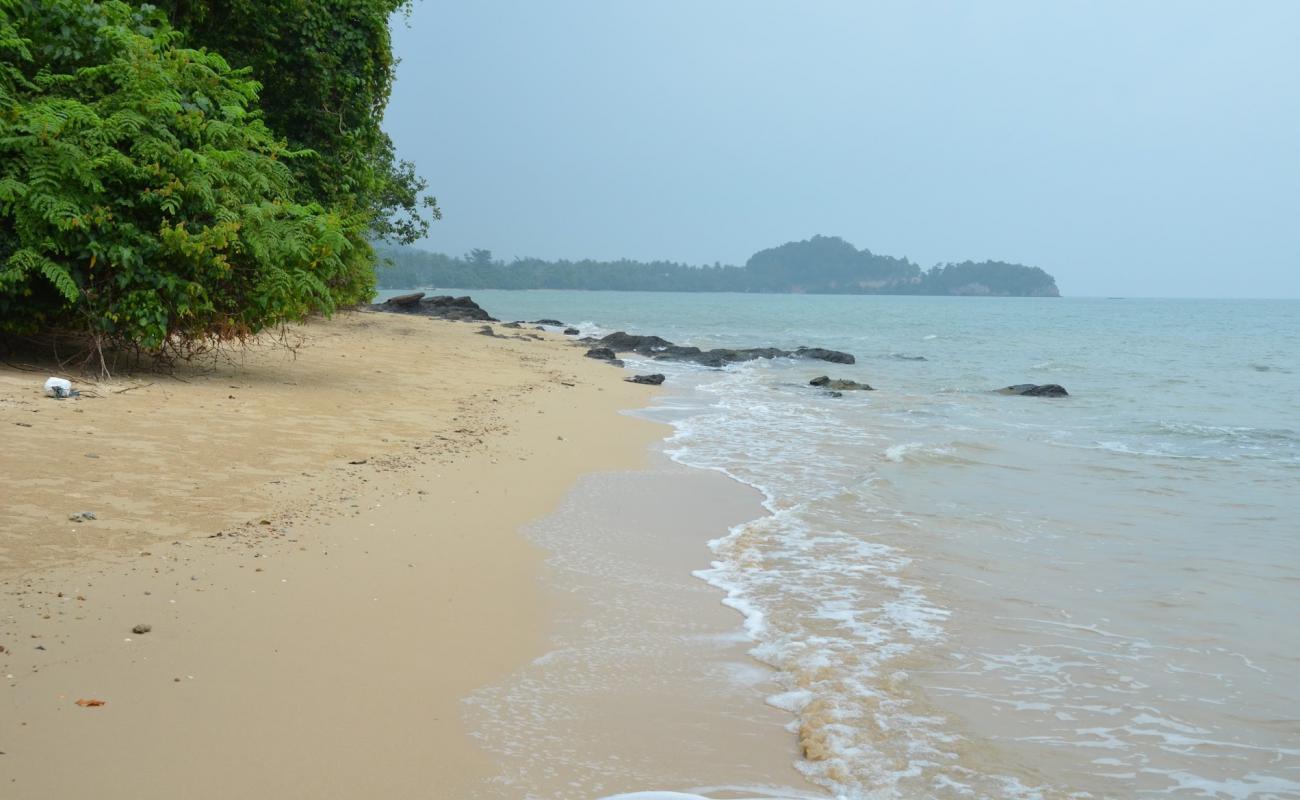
<point>820,265</point>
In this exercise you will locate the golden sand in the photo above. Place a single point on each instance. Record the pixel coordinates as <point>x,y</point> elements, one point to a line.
<point>325,545</point>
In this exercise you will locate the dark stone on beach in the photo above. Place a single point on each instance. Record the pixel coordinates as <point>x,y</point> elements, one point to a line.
<point>442,307</point>
<point>602,353</point>
<point>822,354</point>
<point>514,325</point>
<point>486,330</point>
<point>142,629</point>
<point>1036,390</point>
<point>554,322</point>
<point>571,331</point>
<point>404,300</point>
<point>839,384</point>
<point>649,380</point>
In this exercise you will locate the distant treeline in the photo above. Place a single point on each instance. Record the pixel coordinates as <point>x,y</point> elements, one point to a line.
<point>820,265</point>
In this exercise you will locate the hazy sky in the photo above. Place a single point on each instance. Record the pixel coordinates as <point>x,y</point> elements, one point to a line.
<point>1128,148</point>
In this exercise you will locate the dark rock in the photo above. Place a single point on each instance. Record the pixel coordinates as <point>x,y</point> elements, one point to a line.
<point>571,331</point>
<point>839,384</point>
<point>539,328</point>
<point>677,353</point>
<point>835,394</point>
<point>904,357</point>
<point>404,300</point>
<point>650,380</point>
<point>512,325</point>
<point>645,345</point>
<point>554,322</point>
<point>822,354</point>
<point>659,348</point>
<point>486,330</point>
<point>602,353</point>
<point>442,307</point>
<point>1036,390</point>
<point>142,629</point>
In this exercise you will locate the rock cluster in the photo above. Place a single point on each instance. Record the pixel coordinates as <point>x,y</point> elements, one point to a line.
<point>441,306</point>
<point>661,349</point>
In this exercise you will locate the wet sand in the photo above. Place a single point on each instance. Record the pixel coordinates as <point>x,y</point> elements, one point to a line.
<point>646,684</point>
<point>315,622</point>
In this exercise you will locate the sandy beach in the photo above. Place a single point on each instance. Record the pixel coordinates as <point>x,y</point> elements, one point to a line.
<point>325,545</point>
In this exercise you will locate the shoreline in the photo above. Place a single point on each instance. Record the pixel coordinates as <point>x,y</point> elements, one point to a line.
<point>315,635</point>
<point>647,685</point>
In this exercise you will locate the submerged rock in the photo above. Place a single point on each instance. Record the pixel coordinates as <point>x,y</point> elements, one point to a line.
<point>554,322</point>
<point>839,384</point>
<point>649,380</point>
<point>571,331</point>
<point>1036,390</point>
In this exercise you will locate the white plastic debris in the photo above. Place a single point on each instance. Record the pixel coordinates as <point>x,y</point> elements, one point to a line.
<point>58,387</point>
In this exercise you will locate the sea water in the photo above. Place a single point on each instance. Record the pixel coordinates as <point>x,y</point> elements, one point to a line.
<point>967,594</point>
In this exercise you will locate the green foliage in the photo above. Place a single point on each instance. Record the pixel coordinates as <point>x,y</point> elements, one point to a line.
<point>820,265</point>
<point>326,68</point>
<point>143,201</point>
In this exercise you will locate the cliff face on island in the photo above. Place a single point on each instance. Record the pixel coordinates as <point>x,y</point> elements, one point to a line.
<point>820,265</point>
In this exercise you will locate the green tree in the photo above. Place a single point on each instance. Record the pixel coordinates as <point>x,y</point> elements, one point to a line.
<point>143,202</point>
<point>327,68</point>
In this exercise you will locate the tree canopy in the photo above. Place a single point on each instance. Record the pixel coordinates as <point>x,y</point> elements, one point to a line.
<point>326,69</point>
<point>147,198</point>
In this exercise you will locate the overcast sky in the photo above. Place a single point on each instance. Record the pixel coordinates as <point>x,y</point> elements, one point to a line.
<point>1128,148</point>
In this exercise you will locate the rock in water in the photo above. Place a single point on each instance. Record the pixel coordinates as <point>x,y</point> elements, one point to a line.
<point>649,380</point>
<point>822,354</point>
<point>839,384</point>
<point>645,345</point>
<point>554,322</point>
<point>1047,390</point>
<point>571,331</point>
<point>1036,390</point>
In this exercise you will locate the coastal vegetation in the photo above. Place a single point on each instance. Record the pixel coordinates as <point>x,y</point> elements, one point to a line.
<point>178,176</point>
<point>820,265</point>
